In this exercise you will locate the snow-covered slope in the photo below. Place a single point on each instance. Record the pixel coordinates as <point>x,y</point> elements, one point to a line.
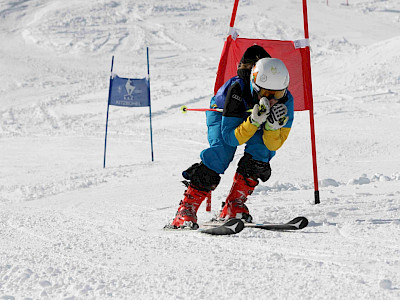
<point>70,229</point>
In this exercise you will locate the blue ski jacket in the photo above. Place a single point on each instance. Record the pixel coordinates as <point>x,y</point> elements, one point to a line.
<point>228,130</point>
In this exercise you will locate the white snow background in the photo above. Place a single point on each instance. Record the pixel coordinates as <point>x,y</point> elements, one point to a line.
<point>70,229</point>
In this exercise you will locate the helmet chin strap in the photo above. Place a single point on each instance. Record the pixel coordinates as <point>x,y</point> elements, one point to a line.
<point>284,98</point>
<point>255,96</point>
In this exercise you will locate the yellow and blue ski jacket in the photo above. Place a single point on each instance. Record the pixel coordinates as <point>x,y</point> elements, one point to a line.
<point>232,128</point>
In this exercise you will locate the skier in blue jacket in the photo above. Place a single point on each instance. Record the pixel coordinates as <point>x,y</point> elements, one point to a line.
<point>261,85</point>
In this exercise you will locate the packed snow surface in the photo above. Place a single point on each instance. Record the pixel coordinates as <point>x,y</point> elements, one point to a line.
<point>70,229</point>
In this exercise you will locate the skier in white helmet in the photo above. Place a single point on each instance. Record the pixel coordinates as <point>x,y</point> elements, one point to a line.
<point>261,84</point>
<point>270,79</point>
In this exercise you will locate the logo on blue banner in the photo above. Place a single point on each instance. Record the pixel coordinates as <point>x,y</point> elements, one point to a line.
<point>129,92</point>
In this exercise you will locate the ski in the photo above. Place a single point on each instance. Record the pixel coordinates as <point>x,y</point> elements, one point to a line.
<point>295,224</point>
<point>234,226</point>
<point>231,226</point>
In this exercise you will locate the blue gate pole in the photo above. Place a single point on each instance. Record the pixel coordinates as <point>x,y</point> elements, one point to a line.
<point>148,90</point>
<point>108,109</point>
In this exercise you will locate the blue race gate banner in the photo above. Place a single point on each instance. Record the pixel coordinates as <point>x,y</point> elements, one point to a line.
<point>129,92</point>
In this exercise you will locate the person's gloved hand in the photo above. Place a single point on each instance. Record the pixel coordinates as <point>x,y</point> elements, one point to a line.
<point>260,112</point>
<point>277,117</point>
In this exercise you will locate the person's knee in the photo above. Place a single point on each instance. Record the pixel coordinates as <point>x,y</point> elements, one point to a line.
<point>255,169</point>
<point>202,177</point>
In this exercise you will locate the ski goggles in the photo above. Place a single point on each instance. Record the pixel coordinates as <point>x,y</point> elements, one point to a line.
<point>269,94</point>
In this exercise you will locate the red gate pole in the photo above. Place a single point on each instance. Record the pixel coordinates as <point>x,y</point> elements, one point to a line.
<point>233,17</point>
<point>223,61</point>
<point>311,106</point>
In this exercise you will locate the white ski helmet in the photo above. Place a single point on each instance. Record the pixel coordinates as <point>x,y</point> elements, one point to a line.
<point>270,74</point>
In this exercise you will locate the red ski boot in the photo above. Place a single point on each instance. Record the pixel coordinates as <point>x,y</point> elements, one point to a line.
<point>234,206</point>
<point>186,214</point>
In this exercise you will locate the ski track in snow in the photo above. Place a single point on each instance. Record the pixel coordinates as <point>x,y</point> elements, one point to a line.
<point>70,229</point>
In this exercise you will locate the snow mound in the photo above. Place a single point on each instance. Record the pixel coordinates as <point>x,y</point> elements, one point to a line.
<point>372,67</point>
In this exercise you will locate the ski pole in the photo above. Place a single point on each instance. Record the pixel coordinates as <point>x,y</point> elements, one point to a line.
<point>184,109</point>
